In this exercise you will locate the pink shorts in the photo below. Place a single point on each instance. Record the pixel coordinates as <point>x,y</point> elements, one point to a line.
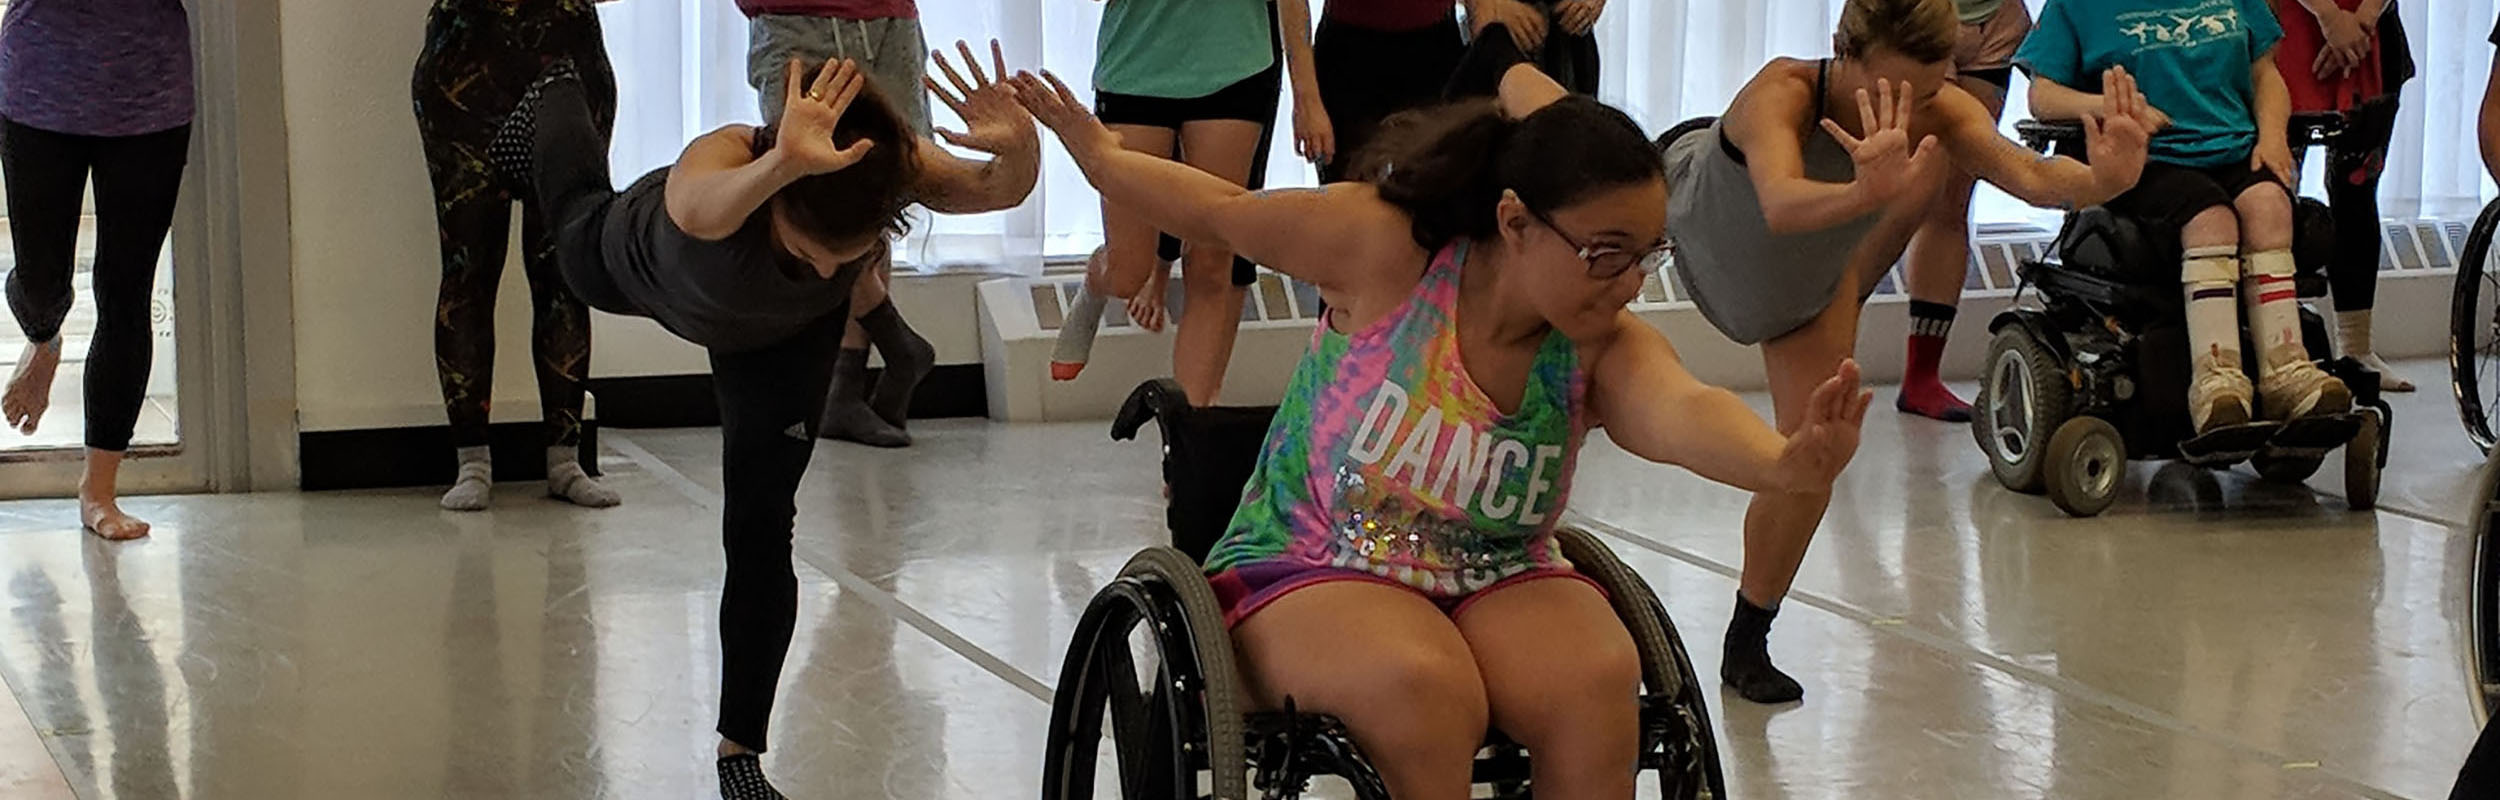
<point>1245,589</point>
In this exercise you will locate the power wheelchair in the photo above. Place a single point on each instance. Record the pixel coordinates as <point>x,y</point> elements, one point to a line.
<point>1180,722</point>
<point>2091,369</point>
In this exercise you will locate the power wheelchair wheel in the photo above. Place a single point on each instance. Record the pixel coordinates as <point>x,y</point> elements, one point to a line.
<point>1185,718</point>
<point>2474,331</point>
<point>2083,462</point>
<point>2023,398</point>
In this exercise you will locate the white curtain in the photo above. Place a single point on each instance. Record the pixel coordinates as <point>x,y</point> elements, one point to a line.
<point>681,71</point>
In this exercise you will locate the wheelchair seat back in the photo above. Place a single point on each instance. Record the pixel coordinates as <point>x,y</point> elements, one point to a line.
<point>1208,456</point>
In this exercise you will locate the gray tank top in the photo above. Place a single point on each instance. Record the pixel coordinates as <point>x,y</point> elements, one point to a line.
<point>1752,284</point>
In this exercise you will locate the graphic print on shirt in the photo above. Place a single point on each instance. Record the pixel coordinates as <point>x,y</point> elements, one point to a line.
<point>2183,27</point>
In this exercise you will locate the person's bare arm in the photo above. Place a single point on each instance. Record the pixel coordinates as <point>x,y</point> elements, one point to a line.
<point>2055,101</point>
<point>2489,123</point>
<point>1762,122</point>
<point>1651,406</point>
<point>719,181</point>
<point>995,124</point>
<point>2116,137</point>
<point>1314,135</point>
<point>1305,233</point>
<point>2273,106</point>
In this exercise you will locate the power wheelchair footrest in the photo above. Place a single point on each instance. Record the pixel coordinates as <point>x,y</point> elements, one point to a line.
<point>2312,437</point>
<point>2229,444</point>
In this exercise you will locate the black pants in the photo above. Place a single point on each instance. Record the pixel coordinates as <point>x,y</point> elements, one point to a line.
<point>136,181</point>
<point>478,59</point>
<point>771,400</point>
<point>1366,75</point>
<point>2354,161</point>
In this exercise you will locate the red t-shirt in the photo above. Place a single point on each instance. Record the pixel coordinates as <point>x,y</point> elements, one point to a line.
<point>1388,15</point>
<point>837,9</point>
<point>2297,56</point>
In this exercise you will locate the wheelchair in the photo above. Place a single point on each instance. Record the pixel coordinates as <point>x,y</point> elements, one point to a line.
<point>2090,369</point>
<point>1179,719</point>
<point>2474,331</point>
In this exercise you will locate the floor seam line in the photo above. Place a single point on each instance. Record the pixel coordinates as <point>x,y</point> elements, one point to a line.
<point>843,577</point>
<point>1950,646</point>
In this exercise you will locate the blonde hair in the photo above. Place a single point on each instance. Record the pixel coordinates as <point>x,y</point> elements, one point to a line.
<point>1926,30</point>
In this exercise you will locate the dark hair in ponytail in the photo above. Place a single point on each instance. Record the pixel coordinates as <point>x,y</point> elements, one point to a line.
<point>1447,166</point>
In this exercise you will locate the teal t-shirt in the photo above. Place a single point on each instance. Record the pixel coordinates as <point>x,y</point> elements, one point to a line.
<point>1181,48</point>
<point>2193,59</point>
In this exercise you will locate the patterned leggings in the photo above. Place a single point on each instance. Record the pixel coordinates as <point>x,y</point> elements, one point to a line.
<point>480,55</point>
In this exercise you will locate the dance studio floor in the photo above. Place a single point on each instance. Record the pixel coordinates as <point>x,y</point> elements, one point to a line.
<point>2219,638</point>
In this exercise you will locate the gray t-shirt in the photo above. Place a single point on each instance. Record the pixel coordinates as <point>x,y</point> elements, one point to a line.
<point>737,294</point>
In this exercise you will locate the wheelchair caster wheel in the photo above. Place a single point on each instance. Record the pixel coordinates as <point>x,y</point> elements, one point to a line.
<point>2083,462</point>
<point>2361,467</point>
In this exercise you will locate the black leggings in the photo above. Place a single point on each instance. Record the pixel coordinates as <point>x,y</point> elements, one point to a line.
<point>2354,161</point>
<point>137,179</point>
<point>478,59</point>
<point>1366,75</point>
<point>771,400</point>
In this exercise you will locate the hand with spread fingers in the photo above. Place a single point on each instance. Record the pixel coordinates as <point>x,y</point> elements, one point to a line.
<point>1886,166</point>
<point>1056,108</point>
<point>994,122</point>
<point>810,112</point>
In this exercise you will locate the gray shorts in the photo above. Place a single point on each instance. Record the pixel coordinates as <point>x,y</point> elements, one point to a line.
<point>890,50</point>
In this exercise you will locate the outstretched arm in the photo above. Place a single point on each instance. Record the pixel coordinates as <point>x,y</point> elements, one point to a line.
<point>2116,136</point>
<point>720,182</point>
<point>1319,235</point>
<point>1655,409</point>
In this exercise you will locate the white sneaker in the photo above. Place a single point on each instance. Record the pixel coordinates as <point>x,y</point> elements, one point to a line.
<point>2301,389</point>
<point>2218,395</point>
<point>2388,380</point>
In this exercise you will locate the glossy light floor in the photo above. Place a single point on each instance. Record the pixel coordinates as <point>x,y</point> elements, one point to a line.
<point>2210,637</point>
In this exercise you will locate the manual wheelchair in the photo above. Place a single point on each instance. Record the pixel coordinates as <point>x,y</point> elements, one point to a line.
<point>2095,372</point>
<point>1180,723</point>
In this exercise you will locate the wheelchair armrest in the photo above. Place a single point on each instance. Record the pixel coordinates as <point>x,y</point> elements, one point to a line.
<point>2049,136</point>
<point>1161,397</point>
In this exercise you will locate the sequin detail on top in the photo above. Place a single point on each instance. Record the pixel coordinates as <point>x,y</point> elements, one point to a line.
<point>1385,457</point>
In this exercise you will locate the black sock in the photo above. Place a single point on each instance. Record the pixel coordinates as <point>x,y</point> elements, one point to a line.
<point>742,778</point>
<point>847,416</point>
<point>1745,662</point>
<point>1931,319</point>
<point>908,359</point>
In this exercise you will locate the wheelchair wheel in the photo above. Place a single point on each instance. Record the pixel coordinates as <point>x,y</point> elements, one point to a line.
<point>2286,469</point>
<point>2361,466</point>
<point>2474,331</point>
<point>1185,718</point>
<point>2023,397</point>
<point>1690,769</point>
<point>2483,616</point>
<point>2083,462</point>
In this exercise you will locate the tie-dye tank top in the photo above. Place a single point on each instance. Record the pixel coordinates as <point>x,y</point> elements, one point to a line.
<point>1386,458</point>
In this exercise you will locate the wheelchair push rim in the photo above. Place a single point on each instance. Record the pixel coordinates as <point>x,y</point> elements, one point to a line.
<point>2474,332</point>
<point>1167,733</point>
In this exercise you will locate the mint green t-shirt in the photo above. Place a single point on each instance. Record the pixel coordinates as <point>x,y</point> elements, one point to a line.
<point>2192,58</point>
<point>1181,48</point>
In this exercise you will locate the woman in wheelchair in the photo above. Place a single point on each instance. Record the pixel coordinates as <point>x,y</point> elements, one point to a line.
<point>1791,209</point>
<point>2221,163</point>
<point>1393,560</point>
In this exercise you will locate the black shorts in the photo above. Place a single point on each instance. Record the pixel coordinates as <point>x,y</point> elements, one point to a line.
<point>1251,99</point>
<point>2170,195</point>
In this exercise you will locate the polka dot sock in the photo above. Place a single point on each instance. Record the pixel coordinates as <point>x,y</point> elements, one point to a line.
<point>509,152</point>
<point>742,778</point>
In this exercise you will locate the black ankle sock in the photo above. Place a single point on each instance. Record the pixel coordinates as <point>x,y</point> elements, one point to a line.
<point>908,359</point>
<point>742,778</point>
<point>1745,663</point>
<point>847,416</point>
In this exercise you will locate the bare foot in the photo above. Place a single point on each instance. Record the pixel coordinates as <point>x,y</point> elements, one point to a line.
<point>106,520</point>
<point>30,389</point>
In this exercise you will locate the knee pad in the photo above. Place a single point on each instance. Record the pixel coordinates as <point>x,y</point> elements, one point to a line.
<point>2274,264</point>
<point>2219,264</point>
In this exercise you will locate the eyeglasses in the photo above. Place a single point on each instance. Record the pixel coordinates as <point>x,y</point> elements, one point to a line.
<point>1606,262</point>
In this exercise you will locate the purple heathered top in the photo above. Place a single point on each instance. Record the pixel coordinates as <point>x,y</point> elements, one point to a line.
<point>96,67</point>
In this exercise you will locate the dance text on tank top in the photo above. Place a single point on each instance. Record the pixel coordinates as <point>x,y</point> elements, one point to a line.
<point>1385,456</point>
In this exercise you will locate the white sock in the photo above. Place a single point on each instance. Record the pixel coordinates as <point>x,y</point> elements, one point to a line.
<point>2209,274</point>
<point>2352,330</point>
<point>568,482</point>
<point>1076,333</point>
<point>476,483</point>
<point>2273,310</point>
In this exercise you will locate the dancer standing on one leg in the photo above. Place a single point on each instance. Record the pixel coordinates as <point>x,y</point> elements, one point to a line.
<point>99,90</point>
<point>748,246</point>
<point>2350,56</point>
<point>1939,262</point>
<point>1789,209</point>
<point>1197,80</point>
<point>480,55</point>
<point>883,38</point>
<point>1393,560</point>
